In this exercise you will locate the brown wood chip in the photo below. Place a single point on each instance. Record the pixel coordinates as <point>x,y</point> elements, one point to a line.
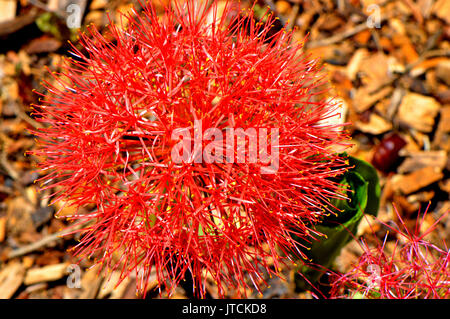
<point>419,160</point>
<point>47,273</point>
<point>418,111</point>
<point>11,277</point>
<point>410,183</point>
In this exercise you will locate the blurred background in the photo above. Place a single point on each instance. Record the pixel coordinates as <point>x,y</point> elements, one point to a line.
<point>388,64</point>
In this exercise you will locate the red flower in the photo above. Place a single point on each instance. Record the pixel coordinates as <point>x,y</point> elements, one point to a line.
<point>413,268</point>
<point>119,118</point>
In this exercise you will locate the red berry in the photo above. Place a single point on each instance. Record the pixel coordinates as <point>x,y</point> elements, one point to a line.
<point>386,153</point>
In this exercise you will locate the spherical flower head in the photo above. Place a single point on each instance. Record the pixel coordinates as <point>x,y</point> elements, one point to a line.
<point>201,139</point>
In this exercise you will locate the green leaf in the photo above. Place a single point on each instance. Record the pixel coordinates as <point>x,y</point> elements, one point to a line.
<point>357,192</point>
<point>55,25</point>
<point>48,23</point>
<point>361,185</point>
<point>369,174</point>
